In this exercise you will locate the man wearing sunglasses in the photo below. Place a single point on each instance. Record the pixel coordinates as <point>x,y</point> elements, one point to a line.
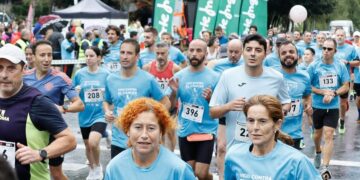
<point>347,54</point>
<point>329,79</point>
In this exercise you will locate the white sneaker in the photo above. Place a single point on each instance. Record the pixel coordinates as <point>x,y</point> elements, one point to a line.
<point>98,173</point>
<point>91,174</point>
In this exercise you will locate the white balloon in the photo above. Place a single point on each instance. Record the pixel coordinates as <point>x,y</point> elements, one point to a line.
<point>298,13</point>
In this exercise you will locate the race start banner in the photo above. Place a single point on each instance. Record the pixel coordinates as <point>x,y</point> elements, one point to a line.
<point>163,15</point>
<point>253,12</point>
<point>206,13</point>
<point>228,16</point>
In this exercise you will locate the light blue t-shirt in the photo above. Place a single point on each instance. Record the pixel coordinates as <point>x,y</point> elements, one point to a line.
<point>64,53</point>
<point>223,64</point>
<point>298,85</point>
<point>235,83</point>
<point>92,95</point>
<point>119,91</point>
<point>194,116</point>
<point>327,76</point>
<point>318,53</point>
<point>356,69</point>
<point>166,166</point>
<point>146,56</point>
<point>303,66</point>
<point>282,162</point>
<point>273,60</point>
<point>112,58</point>
<point>301,46</point>
<point>175,55</point>
<point>346,52</point>
<point>55,84</point>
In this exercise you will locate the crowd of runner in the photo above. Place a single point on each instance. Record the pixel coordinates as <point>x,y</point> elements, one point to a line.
<point>247,99</point>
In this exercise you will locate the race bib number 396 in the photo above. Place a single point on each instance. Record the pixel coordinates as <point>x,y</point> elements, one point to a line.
<point>192,112</point>
<point>7,151</point>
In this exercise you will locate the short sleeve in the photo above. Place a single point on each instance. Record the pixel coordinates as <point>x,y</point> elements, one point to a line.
<point>306,170</point>
<point>156,91</point>
<point>107,92</point>
<point>68,89</point>
<point>283,94</point>
<point>46,117</point>
<point>220,95</point>
<point>344,74</point>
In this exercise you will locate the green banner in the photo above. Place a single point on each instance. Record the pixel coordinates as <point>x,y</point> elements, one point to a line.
<point>163,15</point>
<point>253,12</point>
<point>229,16</point>
<point>205,16</point>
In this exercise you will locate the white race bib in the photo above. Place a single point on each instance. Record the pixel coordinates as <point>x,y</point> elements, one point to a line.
<point>328,81</point>
<point>113,66</point>
<point>7,151</point>
<point>241,133</point>
<point>163,84</point>
<point>94,95</point>
<point>192,112</point>
<point>294,107</point>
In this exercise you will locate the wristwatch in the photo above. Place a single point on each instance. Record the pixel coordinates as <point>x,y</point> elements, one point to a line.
<point>66,107</point>
<point>43,155</point>
<point>335,93</point>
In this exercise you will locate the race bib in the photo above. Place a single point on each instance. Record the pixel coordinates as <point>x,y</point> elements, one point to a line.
<point>163,84</point>
<point>7,150</point>
<point>295,107</point>
<point>192,112</point>
<point>113,66</point>
<point>328,81</point>
<point>241,133</point>
<point>94,95</point>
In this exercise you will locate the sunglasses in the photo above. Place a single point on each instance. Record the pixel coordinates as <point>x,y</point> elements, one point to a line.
<point>327,48</point>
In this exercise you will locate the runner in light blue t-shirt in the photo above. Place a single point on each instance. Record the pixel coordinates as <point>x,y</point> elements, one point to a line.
<point>266,156</point>
<point>299,89</point>
<point>112,57</point>
<point>329,78</point>
<point>121,88</point>
<point>90,83</point>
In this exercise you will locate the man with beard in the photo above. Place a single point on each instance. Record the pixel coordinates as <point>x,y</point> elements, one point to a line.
<point>128,84</point>
<point>163,69</point>
<point>148,54</point>
<point>193,86</point>
<point>329,78</point>
<point>346,54</point>
<point>112,56</point>
<point>238,84</point>
<point>234,51</point>
<point>299,89</point>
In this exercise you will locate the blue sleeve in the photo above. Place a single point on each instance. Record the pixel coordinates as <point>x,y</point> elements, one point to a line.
<point>188,173</point>
<point>306,170</point>
<point>139,63</point>
<point>310,72</point>
<point>69,91</point>
<point>76,79</point>
<point>45,116</point>
<point>354,55</point>
<point>107,97</point>
<point>180,57</point>
<point>156,91</point>
<point>307,86</point>
<point>228,173</point>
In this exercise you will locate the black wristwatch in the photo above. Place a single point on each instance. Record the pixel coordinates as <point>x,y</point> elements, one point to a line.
<point>335,93</point>
<point>43,155</point>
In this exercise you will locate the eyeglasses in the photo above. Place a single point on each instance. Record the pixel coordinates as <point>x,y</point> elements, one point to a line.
<point>327,48</point>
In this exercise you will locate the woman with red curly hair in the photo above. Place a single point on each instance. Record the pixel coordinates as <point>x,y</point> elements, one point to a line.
<point>145,121</point>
